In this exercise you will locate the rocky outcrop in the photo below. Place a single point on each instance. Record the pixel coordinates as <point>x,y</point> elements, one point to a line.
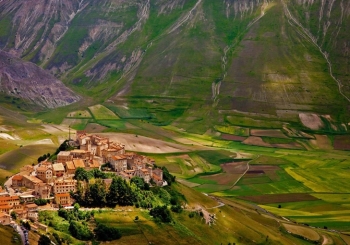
<point>30,82</point>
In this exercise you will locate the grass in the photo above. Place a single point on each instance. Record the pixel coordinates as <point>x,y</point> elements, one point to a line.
<point>100,112</point>
<point>80,114</point>
<point>308,233</point>
<point>9,236</point>
<point>12,161</point>
<point>239,131</point>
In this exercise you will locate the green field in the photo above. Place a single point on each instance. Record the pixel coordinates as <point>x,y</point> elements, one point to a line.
<point>100,112</point>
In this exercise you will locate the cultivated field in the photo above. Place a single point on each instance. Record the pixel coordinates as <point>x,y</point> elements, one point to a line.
<point>100,112</point>
<point>80,114</point>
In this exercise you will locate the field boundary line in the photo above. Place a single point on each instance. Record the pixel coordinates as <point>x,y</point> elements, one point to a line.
<point>248,167</point>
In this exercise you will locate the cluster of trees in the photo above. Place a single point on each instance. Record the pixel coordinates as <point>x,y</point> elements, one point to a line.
<point>161,213</point>
<point>83,175</point>
<point>44,240</point>
<point>41,202</point>
<point>106,233</point>
<point>79,228</point>
<point>43,157</point>
<point>96,194</point>
<point>93,192</point>
<point>167,176</point>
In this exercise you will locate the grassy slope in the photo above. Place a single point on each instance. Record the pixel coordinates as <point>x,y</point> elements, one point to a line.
<point>332,39</point>
<point>277,71</point>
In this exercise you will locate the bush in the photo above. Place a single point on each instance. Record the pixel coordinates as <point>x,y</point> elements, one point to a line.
<point>40,202</point>
<point>106,233</point>
<point>176,208</point>
<point>161,213</point>
<point>80,231</point>
<point>44,240</point>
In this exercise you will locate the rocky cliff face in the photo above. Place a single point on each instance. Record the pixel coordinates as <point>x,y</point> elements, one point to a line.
<point>30,82</point>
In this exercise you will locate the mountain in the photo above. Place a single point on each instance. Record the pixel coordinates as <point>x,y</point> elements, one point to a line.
<point>27,81</point>
<point>190,61</point>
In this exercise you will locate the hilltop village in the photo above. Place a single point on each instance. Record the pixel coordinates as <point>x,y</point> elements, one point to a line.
<point>54,180</point>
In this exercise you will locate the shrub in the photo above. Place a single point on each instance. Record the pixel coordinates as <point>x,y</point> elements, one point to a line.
<point>161,213</point>
<point>106,233</point>
<point>80,231</point>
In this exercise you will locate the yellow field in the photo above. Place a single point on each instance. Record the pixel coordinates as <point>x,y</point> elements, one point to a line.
<point>308,233</point>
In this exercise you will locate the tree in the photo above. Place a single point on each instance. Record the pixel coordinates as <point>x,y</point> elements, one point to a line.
<point>80,231</point>
<point>167,176</point>
<point>82,174</point>
<point>96,194</point>
<point>44,240</point>
<point>13,215</point>
<point>161,213</point>
<point>120,193</point>
<point>139,182</point>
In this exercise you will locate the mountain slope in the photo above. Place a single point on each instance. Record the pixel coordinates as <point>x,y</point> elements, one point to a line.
<point>196,61</point>
<point>27,81</point>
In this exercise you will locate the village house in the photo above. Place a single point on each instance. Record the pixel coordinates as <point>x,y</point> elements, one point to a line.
<point>30,181</point>
<point>144,174</point>
<point>5,218</point>
<point>11,200</point>
<point>80,154</point>
<point>92,164</point>
<point>64,156</point>
<point>70,168</point>
<point>32,207</point>
<point>21,213</point>
<point>17,181</point>
<point>64,186</point>
<point>157,176</point>
<point>27,169</point>
<point>26,198</point>
<point>33,215</point>
<point>44,172</point>
<point>78,163</point>
<point>127,175</point>
<point>58,169</point>
<point>63,199</point>
<point>5,208</point>
<point>119,163</point>
<point>42,190</point>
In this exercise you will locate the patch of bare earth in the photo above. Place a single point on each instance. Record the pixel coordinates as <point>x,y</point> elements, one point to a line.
<point>233,137</point>
<point>322,142</point>
<point>276,133</point>
<point>342,142</point>
<point>254,140</point>
<point>312,121</point>
<point>139,143</point>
